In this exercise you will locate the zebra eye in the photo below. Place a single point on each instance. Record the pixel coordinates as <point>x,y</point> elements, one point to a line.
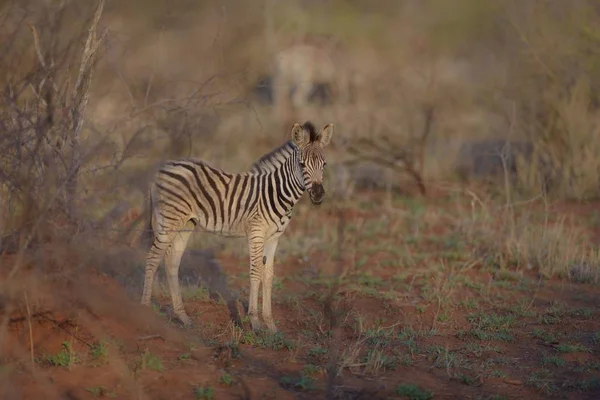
<point>324,164</point>
<point>302,164</point>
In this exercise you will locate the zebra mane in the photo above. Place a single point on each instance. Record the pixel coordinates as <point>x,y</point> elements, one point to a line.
<point>312,131</point>
<point>274,158</point>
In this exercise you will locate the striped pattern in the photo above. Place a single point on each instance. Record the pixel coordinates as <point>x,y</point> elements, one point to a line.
<point>257,204</point>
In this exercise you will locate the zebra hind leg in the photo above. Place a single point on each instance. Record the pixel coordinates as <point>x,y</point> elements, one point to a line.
<point>153,259</point>
<point>172,261</point>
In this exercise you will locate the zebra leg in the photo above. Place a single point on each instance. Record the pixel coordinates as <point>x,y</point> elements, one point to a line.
<point>267,283</point>
<point>172,261</point>
<point>256,249</point>
<point>153,259</point>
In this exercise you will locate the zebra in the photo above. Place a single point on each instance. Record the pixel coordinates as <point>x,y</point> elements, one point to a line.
<point>257,204</point>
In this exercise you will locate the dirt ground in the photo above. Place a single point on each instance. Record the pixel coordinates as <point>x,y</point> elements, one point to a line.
<point>415,314</point>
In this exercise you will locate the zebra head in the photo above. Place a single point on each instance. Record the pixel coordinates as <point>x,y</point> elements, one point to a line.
<point>312,160</point>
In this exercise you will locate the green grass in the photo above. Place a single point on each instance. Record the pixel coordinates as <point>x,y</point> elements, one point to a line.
<point>99,352</point>
<point>149,361</point>
<point>572,348</point>
<point>302,382</point>
<point>204,393</point>
<point>542,380</point>
<point>413,392</point>
<point>101,391</point>
<point>63,358</point>
<point>226,379</point>
<point>267,340</point>
<point>554,361</point>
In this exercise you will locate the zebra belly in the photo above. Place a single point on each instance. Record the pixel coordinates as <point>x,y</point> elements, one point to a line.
<point>225,230</point>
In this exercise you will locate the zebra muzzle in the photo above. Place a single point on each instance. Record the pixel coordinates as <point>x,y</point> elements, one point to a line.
<point>317,193</point>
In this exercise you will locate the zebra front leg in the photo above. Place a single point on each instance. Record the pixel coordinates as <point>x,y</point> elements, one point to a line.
<point>267,283</point>
<point>256,249</point>
<point>172,261</point>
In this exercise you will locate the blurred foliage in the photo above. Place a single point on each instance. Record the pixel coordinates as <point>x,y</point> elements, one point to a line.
<point>351,22</point>
<point>457,24</point>
<point>546,52</point>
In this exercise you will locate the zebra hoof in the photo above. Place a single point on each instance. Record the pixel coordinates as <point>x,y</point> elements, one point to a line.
<point>256,325</point>
<point>186,321</point>
<point>271,325</point>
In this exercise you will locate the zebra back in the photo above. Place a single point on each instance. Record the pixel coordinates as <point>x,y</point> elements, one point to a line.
<point>223,202</point>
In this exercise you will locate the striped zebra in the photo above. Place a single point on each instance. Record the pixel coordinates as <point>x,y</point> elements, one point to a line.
<point>256,204</point>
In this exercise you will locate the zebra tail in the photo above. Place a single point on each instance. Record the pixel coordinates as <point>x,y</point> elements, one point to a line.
<point>152,214</point>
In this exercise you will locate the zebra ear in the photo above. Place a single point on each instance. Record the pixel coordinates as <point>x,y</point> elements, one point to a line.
<point>325,136</point>
<point>298,135</point>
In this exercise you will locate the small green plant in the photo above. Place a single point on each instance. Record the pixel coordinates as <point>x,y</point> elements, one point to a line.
<point>267,340</point>
<point>491,322</point>
<point>204,393</point>
<point>584,313</point>
<point>545,336</point>
<point>150,361</point>
<point>156,308</point>
<point>196,293</point>
<point>498,373</point>
<point>554,361</point>
<point>553,315</point>
<point>442,357</point>
<point>421,308</point>
<point>466,380</point>
<point>317,352</point>
<point>444,317</point>
<point>99,352</point>
<point>101,391</point>
<point>572,348</point>
<point>490,327</point>
<point>302,382</point>
<point>379,337</point>
<point>478,349</point>
<point>226,379</point>
<point>376,362</point>
<point>588,384</point>
<point>413,392</point>
<point>496,397</point>
<point>541,380</point>
<point>310,370</point>
<point>64,358</point>
<point>277,284</point>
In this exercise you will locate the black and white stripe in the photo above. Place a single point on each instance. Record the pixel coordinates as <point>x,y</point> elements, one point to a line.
<point>222,202</point>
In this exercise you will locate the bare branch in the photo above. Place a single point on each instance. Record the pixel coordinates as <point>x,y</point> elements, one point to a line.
<point>79,98</point>
<point>80,92</point>
<point>36,43</point>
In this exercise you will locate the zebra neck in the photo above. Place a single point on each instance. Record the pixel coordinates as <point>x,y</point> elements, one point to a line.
<point>291,186</point>
<point>282,167</point>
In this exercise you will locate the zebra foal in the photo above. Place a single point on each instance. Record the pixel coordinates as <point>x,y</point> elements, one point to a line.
<point>256,204</point>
